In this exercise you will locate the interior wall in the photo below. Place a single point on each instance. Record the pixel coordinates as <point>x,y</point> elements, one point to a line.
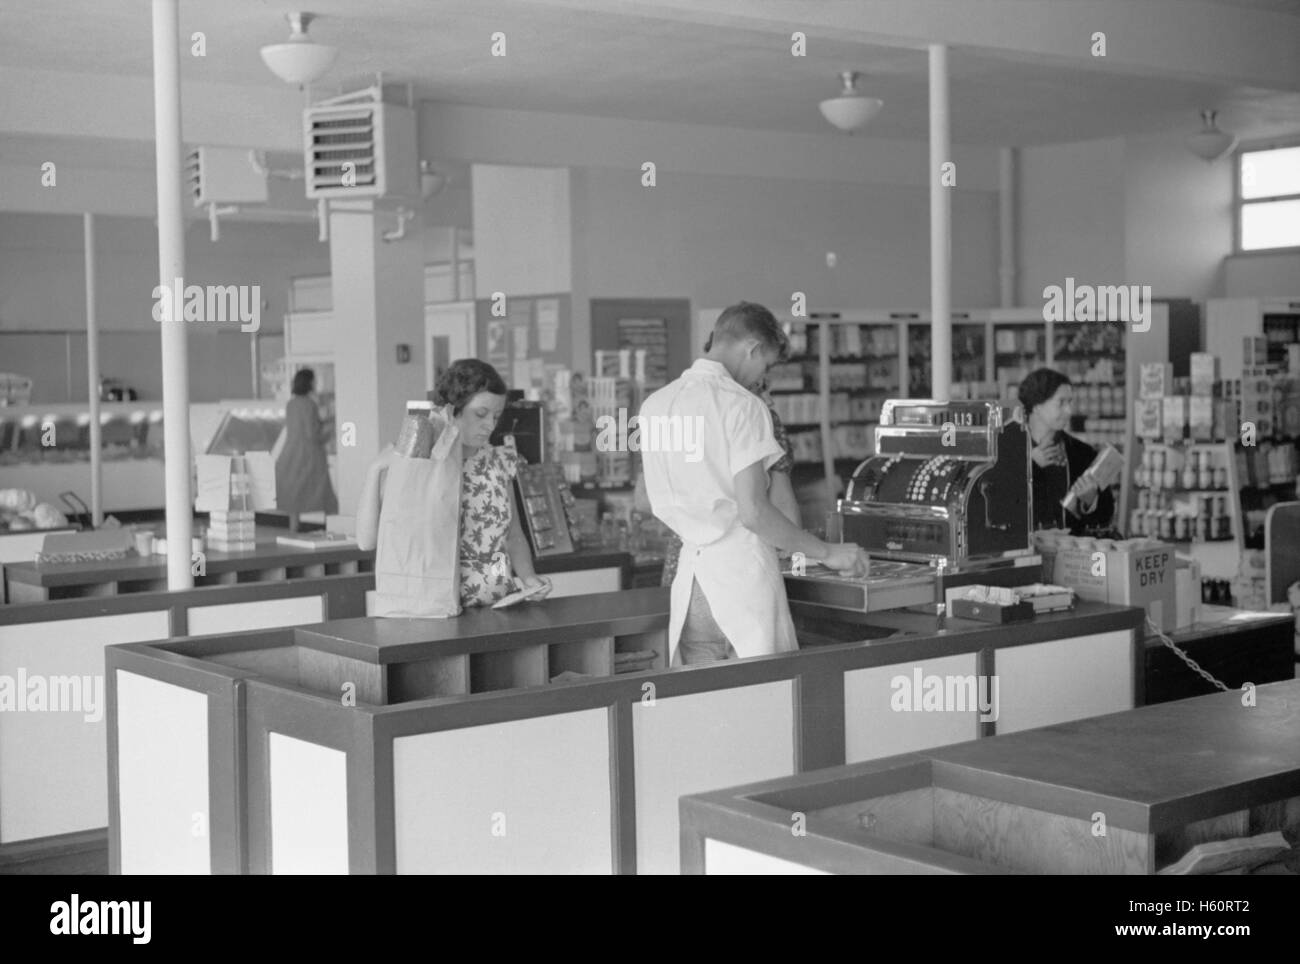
<point>1178,212</point>
<point>716,240</point>
<point>42,267</point>
<point>1072,217</point>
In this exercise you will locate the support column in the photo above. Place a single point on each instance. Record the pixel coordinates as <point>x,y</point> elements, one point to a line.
<point>92,377</point>
<point>171,266</point>
<point>1007,160</point>
<point>378,304</point>
<point>940,229</point>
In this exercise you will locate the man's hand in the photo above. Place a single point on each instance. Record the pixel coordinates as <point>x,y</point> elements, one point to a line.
<point>847,559</point>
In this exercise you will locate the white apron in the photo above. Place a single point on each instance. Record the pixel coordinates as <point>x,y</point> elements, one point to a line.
<point>740,578</point>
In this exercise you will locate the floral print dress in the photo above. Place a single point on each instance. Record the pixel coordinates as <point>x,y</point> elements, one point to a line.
<point>486,509</point>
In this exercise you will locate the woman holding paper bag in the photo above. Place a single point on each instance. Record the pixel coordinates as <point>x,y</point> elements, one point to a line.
<point>443,521</point>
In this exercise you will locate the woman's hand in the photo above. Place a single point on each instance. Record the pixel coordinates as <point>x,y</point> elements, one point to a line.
<point>1088,490</point>
<point>532,582</point>
<point>1048,454</point>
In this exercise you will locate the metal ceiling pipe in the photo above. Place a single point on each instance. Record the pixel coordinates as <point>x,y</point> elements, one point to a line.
<point>168,150</point>
<point>940,229</point>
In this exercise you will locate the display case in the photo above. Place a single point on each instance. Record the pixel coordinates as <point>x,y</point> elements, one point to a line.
<point>46,450</point>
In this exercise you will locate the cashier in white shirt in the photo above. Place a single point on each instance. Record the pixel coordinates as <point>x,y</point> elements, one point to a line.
<point>706,445</point>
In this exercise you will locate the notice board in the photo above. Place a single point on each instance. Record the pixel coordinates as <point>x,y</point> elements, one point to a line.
<point>662,326</point>
<point>533,332</point>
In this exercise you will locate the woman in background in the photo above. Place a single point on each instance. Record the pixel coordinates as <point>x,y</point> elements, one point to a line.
<point>1060,459</point>
<point>302,478</point>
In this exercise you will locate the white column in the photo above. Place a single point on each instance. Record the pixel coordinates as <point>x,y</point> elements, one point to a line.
<point>171,267</point>
<point>1007,226</point>
<point>940,229</point>
<point>92,376</point>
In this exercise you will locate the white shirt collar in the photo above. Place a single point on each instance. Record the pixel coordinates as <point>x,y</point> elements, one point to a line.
<point>707,366</point>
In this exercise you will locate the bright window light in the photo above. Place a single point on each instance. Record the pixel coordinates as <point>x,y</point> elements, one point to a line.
<point>1270,173</point>
<point>1269,199</point>
<point>1270,224</point>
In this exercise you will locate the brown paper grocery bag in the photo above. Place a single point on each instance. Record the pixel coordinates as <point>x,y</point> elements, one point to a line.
<point>417,555</point>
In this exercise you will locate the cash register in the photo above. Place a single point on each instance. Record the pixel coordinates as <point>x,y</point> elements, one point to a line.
<point>945,501</point>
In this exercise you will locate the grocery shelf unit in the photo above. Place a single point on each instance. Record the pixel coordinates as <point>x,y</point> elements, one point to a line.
<point>1229,320</point>
<point>1218,554</point>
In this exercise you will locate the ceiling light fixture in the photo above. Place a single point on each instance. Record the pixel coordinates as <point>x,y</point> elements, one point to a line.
<point>299,61</point>
<point>851,110</point>
<point>1210,143</point>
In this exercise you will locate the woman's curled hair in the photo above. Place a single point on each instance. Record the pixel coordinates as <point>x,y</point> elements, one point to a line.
<point>463,380</point>
<point>1039,386</point>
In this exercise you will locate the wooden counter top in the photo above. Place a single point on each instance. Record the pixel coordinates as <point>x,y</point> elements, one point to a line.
<point>268,555</point>
<point>393,640</point>
<point>1148,769</point>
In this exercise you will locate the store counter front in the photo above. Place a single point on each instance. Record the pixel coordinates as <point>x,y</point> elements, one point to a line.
<point>509,741</point>
<point>269,562</point>
<point>1127,793</point>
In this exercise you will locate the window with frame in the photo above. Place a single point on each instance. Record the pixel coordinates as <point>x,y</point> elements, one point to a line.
<point>1268,199</point>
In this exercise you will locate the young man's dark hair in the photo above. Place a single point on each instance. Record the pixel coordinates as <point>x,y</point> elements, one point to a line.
<point>746,319</point>
<point>304,380</point>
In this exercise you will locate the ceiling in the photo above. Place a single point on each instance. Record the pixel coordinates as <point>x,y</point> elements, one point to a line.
<point>614,65</point>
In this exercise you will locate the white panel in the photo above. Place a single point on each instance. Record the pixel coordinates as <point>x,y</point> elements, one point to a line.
<point>873,729</point>
<point>724,858</point>
<point>261,614</point>
<point>309,334</point>
<point>1067,679</point>
<point>309,807</point>
<point>53,765</point>
<point>702,742</point>
<point>584,581</point>
<point>524,797</point>
<point>162,769</point>
<point>522,243</point>
<point>21,546</point>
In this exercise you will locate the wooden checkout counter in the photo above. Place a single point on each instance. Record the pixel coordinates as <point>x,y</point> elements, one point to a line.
<point>410,746</point>
<point>1157,780</point>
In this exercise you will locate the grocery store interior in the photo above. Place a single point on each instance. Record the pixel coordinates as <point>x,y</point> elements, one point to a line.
<point>200,201</point>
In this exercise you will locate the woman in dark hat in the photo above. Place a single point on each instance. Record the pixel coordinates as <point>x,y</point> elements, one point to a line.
<point>1060,459</point>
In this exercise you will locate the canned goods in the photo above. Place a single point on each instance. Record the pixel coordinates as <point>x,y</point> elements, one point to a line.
<point>415,440</point>
<point>1180,528</point>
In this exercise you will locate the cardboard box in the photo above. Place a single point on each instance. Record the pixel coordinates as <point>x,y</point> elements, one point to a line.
<point>1148,418</point>
<point>1227,419</point>
<point>1200,417</point>
<point>1174,410</point>
<point>1155,379</point>
<point>1187,592</point>
<point>1124,577</point>
<point>1204,372</point>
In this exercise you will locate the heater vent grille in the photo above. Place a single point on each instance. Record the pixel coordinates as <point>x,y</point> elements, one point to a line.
<point>363,150</point>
